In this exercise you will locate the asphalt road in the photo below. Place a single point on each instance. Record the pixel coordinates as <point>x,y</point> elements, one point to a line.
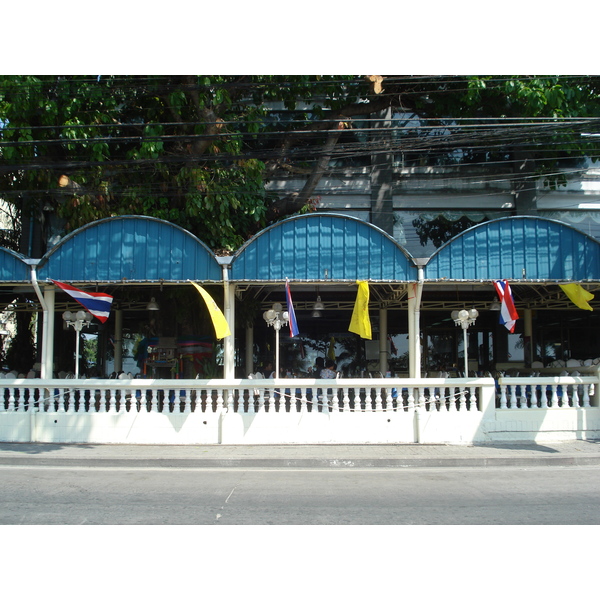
<point>51,495</point>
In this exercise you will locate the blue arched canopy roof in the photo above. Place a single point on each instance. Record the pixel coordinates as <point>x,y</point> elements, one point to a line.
<point>13,267</point>
<point>322,246</point>
<point>517,248</point>
<point>130,248</point>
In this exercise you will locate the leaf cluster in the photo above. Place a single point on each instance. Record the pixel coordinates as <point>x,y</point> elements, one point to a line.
<point>197,150</point>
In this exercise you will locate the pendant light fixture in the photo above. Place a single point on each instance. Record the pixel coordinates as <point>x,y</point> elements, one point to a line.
<point>318,306</point>
<point>152,305</point>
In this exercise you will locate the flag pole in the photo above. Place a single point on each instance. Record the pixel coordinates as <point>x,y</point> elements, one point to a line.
<point>465,318</point>
<point>276,318</point>
<point>276,352</point>
<point>77,321</point>
<point>77,331</point>
<point>466,350</point>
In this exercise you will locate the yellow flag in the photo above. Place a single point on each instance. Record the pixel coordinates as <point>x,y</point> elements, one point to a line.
<point>360,322</point>
<point>331,351</point>
<point>218,318</point>
<point>577,295</point>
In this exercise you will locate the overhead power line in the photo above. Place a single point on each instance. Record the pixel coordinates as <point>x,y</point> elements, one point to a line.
<point>436,138</point>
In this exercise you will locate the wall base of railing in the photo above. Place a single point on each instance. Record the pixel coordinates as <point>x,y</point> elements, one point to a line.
<point>450,427</point>
<point>208,428</point>
<point>111,428</point>
<point>297,428</point>
<point>547,425</point>
<point>435,411</point>
<point>318,428</point>
<point>294,428</point>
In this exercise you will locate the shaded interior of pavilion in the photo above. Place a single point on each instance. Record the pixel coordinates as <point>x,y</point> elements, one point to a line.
<point>159,326</point>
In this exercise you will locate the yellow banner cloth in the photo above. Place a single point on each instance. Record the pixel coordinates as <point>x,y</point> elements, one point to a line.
<point>331,351</point>
<point>360,322</point>
<point>218,318</point>
<point>578,296</point>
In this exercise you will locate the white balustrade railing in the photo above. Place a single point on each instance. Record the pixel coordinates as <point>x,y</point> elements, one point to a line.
<point>515,393</point>
<point>293,395</point>
<point>240,395</point>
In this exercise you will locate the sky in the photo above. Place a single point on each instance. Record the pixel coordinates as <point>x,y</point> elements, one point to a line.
<point>463,37</point>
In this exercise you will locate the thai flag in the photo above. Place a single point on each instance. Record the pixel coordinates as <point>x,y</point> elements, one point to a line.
<point>508,312</point>
<point>96,303</point>
<point>290,308</point>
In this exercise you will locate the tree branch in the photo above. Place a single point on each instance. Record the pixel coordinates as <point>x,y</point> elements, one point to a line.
<point>294,202</point>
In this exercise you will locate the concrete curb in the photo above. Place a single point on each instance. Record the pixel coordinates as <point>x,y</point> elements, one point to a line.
<point>575,453</point>
<point>300,463</point>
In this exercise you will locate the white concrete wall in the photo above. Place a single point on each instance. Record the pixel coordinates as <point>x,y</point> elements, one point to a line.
<point>545,425</point>
<point>457,427</point>
<point>208,428</point>
<point>317,427</point>
<point>127,428</point>
<point>454,423</point>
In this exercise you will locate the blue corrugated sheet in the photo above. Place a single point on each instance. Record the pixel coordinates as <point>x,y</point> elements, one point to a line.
<point>524,248</point>
<point>13,267</point>
<point>315,247</point>
<point>131,248</point>
<point>322,247</point>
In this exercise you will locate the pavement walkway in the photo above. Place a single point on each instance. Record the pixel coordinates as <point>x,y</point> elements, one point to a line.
<point>571,453</point>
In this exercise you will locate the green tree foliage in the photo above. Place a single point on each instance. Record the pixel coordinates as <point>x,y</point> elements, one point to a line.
<point>132,146</point>
<point>176,148</point>
<point>439,230</point>
<point>197,150</point>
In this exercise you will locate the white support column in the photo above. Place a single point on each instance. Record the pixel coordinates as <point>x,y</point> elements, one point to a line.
<point>411,331</point>
<point>47,354</point>
<point>229,313</point>
<point>419,294</point>
<point>47,358</point>
<point>415,291</point>
<point>383,334</point>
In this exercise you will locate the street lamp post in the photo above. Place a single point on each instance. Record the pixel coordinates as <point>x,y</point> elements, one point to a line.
<point>276,317</point>
<point>77,321</point>
<point>465,318</point>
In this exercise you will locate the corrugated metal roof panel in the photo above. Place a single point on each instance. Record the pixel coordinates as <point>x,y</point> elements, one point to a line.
<point>132,248</point>
<point>319,247</point>
<point>13,266</point>
<point>523,248</point>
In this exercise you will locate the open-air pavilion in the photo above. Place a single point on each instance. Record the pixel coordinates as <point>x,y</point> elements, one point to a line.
<point>143,262</point>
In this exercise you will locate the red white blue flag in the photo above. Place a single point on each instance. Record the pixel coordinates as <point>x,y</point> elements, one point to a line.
<point>290,308</point>
<point>96,303</point>
<point>508,312</point>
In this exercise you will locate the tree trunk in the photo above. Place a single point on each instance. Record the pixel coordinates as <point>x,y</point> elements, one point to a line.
<point>292,203</point>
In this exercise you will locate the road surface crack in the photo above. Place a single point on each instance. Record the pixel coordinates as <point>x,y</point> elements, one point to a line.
<point>219,515</point>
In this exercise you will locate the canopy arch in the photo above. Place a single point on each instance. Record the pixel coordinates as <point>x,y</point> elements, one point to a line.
<point>319,247</point>
<point>517,248</point>
<point>132,249</point>
<point>13,267</point>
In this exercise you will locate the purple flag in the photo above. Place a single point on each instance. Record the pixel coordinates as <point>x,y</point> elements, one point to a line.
<point>290,308</point>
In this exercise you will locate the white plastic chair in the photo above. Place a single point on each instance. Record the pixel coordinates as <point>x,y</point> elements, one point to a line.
<point>259,375</point>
